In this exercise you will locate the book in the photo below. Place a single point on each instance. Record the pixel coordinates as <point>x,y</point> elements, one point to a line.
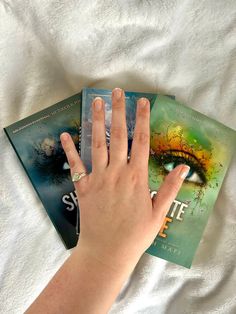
<point>178,135</point>
<point>36,141</point>
<point>88,94</point>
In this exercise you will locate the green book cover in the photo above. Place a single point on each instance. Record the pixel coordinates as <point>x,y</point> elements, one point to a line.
<point>36,141</point>
<point>180,135</point>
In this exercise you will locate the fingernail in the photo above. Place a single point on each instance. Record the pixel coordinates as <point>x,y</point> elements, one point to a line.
<point>64,136</point>
<point>184,171</point>
<point>117,92</point>
<point>98,103</point>
<point>142,102</point>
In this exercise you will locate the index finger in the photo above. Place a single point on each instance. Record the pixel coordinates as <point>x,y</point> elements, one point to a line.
<point>75,163</point>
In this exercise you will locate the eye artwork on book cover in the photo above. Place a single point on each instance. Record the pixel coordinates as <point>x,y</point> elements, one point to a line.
<point>36,139</point>
<point>174,143</point>
<point>179,144</point>
<point>180,136</point>
<point>46,161</point>
<point>49,157</point>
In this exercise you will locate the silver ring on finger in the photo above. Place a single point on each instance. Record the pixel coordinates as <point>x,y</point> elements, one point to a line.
<point>78,175</point>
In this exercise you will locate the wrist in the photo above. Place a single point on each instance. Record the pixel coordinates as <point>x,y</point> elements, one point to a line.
<point>104,263</point>
<point>101,280</point>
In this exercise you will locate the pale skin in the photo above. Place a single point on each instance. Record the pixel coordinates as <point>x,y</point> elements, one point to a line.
<point>118,218</point>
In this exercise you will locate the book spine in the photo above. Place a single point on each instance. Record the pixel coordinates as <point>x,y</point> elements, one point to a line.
<point>77,226</point>
<point>83,103</point>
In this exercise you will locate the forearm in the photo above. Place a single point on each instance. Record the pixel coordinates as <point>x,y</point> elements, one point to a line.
<point>82,285</point>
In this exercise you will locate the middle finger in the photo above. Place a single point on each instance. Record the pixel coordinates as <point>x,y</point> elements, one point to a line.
<point>118,138</point>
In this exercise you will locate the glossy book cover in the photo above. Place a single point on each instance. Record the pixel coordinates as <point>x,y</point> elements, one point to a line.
<point>36,140</point>
<point>178,134</point>
<point>88,94</point>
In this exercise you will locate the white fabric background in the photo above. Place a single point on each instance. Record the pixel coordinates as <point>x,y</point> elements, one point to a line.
<point>49,50</point>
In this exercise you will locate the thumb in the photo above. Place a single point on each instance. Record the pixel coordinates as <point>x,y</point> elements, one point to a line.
<point>168,191</point>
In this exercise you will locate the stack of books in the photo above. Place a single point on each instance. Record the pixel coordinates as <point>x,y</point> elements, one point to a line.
<point>178,135</point>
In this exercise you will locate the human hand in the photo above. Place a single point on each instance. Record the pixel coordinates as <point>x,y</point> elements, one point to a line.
<point>118,218</point>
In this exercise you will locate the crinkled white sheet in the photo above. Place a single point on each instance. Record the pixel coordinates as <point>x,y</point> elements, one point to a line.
<point>49,50</point>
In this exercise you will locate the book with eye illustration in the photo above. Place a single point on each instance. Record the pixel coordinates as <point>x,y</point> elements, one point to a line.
<point>178,135</point>
<point>36,141</point>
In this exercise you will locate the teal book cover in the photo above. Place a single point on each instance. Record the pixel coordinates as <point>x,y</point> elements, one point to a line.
<point>178,135</point>
<point>36,141</point>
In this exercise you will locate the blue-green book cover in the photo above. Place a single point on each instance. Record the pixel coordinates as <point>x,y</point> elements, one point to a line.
<point>36,141</point>
<point>178,135</point>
